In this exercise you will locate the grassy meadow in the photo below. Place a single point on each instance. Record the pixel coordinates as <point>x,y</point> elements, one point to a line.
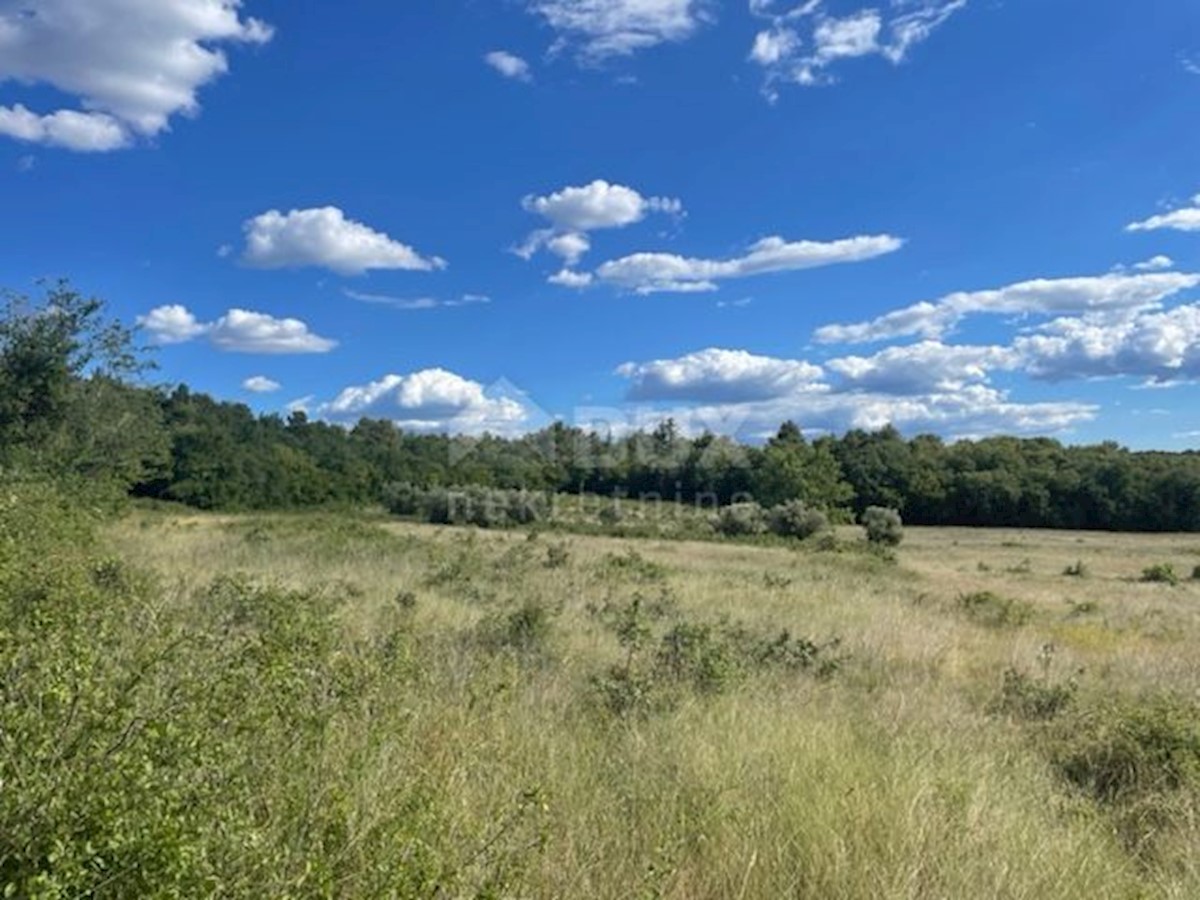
<point>583,716</point>
<point>323,705</point>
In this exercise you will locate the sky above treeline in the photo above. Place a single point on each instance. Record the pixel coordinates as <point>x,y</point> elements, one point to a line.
<point>965,217</point>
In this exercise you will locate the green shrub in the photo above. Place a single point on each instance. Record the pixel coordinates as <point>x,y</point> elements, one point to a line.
<point>827,542</point>
<point>526,629</point>
<point>1160,573</point>
<point>740,519</point>
<point>1128,748</point>
<point>796,520</point>
<point>633,565</point>
<point>883,526</point>
<point>404,499</point>
<point>699,655</point>
<point>610,514</point>
<point>473,505</point>
<point>1196,574</point>
<point>558,556</point>
<point>994,611</point>
<point>1025,697</point>
<point>167,750</point>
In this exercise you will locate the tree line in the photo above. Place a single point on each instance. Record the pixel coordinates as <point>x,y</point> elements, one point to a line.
<point>74,404</point>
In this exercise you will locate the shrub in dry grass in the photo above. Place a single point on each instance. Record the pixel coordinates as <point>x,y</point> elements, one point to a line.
<point>1160,573</point>
<point>740,519</point>
<point>993,610</point>
<point>883,526</point>
<point>795,519</point>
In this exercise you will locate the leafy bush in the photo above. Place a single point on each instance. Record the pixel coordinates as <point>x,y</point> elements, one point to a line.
<point>610,514</point>
<point>883,526</point>
<point>1160,573</point>
<point>558,556</point>
<point>995,611</point>
<point>1025,697</point>
<point>740,519</point>
<point>795,519</point>
<point>1076,570</point>
<point>1196,574</point>
<point>155,751</point>
<point>698,655</point>
<point>633,565</point>
<point>405,499</point>
<point>692,657</point>
<point>479,506</point>
<point>1126,748</point>
<point>525,629</point>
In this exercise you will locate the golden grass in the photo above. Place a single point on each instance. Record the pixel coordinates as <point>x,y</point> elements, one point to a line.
<point>889,780</point>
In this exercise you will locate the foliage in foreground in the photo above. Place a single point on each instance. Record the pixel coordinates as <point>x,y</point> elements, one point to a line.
<point>153,750</point>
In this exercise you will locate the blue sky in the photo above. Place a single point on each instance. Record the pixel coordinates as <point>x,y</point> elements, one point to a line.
<point>960,216</point>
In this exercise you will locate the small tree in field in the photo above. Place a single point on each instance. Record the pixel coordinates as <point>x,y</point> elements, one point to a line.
<point>884,526</point>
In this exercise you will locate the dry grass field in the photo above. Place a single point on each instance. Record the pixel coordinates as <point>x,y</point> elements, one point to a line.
<point>600,717</point>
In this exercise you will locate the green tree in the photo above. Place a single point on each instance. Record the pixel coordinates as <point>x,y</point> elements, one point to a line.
<point>65,405</point>
<point>789,468</point>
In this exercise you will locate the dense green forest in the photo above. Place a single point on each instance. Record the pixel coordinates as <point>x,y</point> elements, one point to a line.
<point>75,402</point>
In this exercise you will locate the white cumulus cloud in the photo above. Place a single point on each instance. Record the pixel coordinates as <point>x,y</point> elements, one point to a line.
<point>243,331</point>
<point>1154,264</point>
<point>740,394</point>
<point>1114,293</point>
<point>924,368</point>
<point>774,45</point>
<point>326,238</point>
<point>172,324</point>
<point>509,65</point>
<point>574,211</point>
<point>431,400</point>
<point>238,331</point>
<point>1162,347</point>
<point>131,64</point>
<point>600,204</point>
<point>260,384</point>
<point>718,375</point>
<point>571,279</point>
<point>646,273</point>
<point>1184,218</point>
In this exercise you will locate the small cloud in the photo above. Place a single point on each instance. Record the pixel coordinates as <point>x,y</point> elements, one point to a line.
<point>468,300</point>
<point>1154,264</point>
<point>1183,218</point>
<point>647,273</point>
<point>573,212</point>
<point>326,238</point>
<point>26,163</point>
<point>238,331</point>
<point>600,30</point>
<point>568,278</point>
<point>734,304</point>
<point>432,400</point>
<point>509,65</point>
<point>260,384</point>
<point>415,303</point>
<point>225,251</point>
